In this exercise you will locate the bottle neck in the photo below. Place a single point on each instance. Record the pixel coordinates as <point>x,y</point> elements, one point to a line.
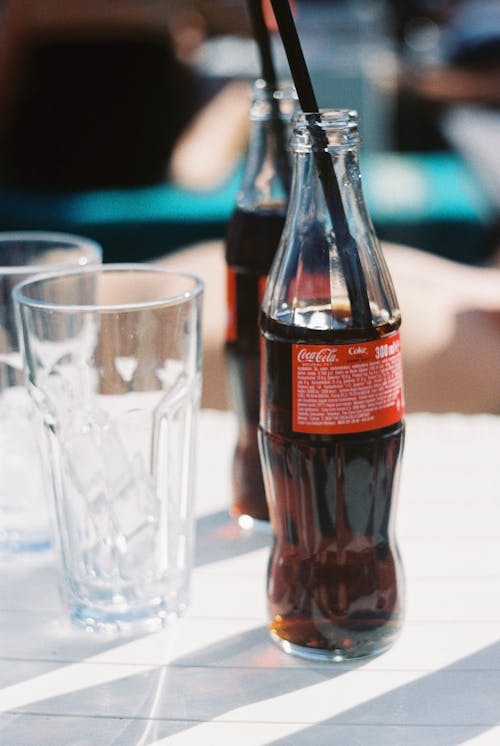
<point>329,271</point>
<point>267,177</point>
<point>263,186</point>
<point>308,188</point>
<point>326,172</point>
<point>325,148</point>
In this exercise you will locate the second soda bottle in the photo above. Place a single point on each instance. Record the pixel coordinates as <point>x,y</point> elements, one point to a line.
<point>252,238</point>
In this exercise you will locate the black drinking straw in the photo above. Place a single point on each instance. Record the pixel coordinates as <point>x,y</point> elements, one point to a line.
<point>348,252</point>
<point>261,35</point>
<point>268,72</point>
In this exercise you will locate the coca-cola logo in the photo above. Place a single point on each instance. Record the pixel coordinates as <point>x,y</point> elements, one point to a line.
<point>322,355</point>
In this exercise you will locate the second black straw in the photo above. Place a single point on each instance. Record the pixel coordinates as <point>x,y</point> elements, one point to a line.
<point>347,248</point>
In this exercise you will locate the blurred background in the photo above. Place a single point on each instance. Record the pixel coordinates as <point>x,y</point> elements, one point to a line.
<point>127,121</point>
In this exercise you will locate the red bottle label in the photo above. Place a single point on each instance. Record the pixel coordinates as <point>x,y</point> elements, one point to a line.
<point>232,320</point>
<point>347,388</point>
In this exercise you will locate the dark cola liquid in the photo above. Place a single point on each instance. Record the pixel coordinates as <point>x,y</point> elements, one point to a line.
<point>251,243</point>
<point>334,574</point>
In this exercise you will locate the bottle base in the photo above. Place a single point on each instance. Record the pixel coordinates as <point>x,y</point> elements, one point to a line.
<point>337,655</point>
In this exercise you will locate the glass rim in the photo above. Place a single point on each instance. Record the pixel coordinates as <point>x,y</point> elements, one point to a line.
<point>121,268</point>
<point>51,238</point>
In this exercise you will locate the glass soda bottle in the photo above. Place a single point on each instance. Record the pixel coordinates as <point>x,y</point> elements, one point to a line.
<point>251,241</point>
<point>331,422</point>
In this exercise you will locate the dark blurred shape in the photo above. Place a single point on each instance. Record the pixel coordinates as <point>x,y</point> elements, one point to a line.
<point>98,111</point>
<point>450,54</point>
<point>472,35</point>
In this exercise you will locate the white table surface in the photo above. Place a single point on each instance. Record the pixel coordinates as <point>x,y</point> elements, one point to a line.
<point>215,677</point>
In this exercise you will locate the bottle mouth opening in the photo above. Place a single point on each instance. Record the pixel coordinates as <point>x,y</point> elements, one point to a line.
<point>325,130</point>
<point>329,118</point>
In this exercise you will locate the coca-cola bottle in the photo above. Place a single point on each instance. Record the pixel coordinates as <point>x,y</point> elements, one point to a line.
<point>252,239</point>
<point>331,422</point>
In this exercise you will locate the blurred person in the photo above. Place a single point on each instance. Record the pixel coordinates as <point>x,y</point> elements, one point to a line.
<point>95,95</point>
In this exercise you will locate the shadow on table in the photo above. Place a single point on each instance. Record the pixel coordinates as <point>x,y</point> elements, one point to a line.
<point>214,681</point>
<point>442,698</point>
<point>194,688</point>
<point>33,620</point>
<point>176,698</point>
<point>218,537</point>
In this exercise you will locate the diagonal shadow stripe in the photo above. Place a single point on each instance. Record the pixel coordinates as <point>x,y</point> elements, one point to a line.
<point>183,693</point>
<point>439,699</point>
<point>218,538</point>
<point>190,691</point>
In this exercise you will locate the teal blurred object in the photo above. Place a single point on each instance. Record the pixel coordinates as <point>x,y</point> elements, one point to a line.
<point>430,201</point>
<point>132,224</point>
<point>433,201</point>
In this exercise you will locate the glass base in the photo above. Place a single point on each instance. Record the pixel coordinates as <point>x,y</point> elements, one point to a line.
<point>369,648</point>
<point>125,623</point>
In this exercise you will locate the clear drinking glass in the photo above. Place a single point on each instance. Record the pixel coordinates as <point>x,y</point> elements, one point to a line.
<point>113,356</point>
<point>24,484</point>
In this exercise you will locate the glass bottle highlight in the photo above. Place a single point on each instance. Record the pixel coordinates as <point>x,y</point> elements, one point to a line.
<point>331,423</point>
